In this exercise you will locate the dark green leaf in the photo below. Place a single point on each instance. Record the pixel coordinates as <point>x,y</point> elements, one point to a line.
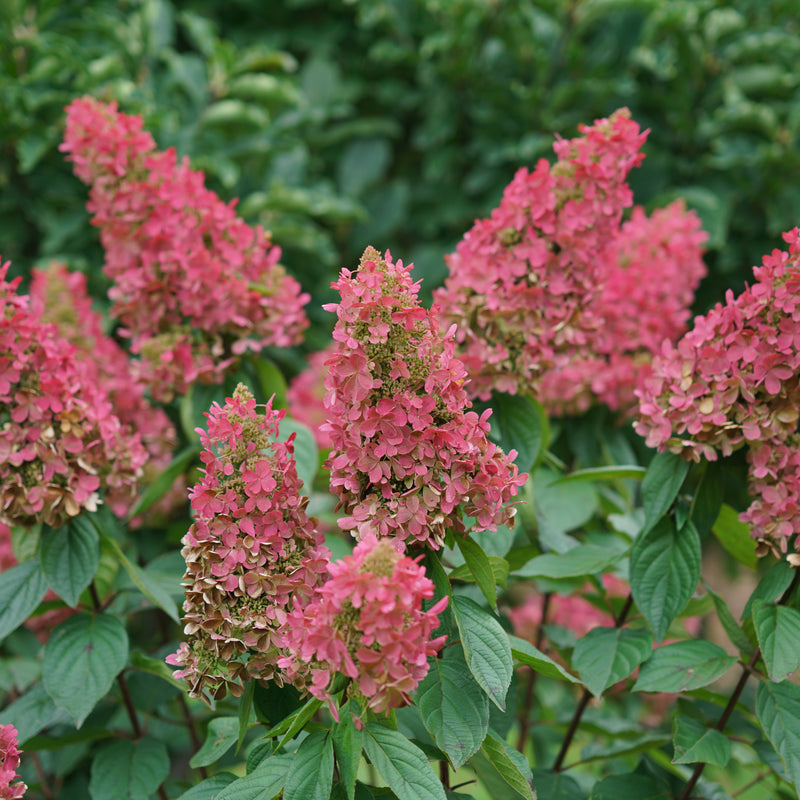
<point>33,712</point>
<point>311,771</point>
<point>621,746</point>
<point>511,766</point>
<point>127,770</point>
<point>556,786</point>
<point>778,631</point>
<point>81,659</point>
<point>347,746</point>
<point>683,666</point>
<point>294,723</point>
<point>245,712</point>
<point>778,711</point>
<point>210,788</point>
<point>305,450</point>
<point>660,486</point>
<point>631,786</point>
<point>695,742</point>
<point>480,567</point>
<point>605,656</point>
<point>707,501</point>
<point>263,783</point>
<point>585,559</point>
<point>734,536</point>
<point>69,558</point>
<point>520,423</point>
<point>271,380</point>
<point>664,571</point>
<point>486,648</point>
<point>220,737</point>
<point>164,482</point>
<point>401,764</point>
<point>274,703</point>
<point>775,581</point>
<point>611,473</point>
<point>454,708</point>
<point>149,587</point>
<point>524,652</point>
<point>21,590</point>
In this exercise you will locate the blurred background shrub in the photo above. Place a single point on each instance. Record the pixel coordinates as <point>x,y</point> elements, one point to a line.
<point>342,123</point>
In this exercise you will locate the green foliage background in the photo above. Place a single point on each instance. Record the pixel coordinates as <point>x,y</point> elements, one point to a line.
<point>341,123</point>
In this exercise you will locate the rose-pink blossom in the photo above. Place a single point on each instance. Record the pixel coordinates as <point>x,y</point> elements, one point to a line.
<point>9,762</point>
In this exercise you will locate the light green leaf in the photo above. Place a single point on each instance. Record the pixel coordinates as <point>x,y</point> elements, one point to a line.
<point>561,507</point>
<point>70,557</point>
<point>263,783</point>
<point>81,660</point>
<point>33,712</point>
<point>524,652</point>
<point>220,737</point>
<point>498,565</point>
<point>695,742</point>
<point>128,770</point>
<point>271,380</point>
<point>210,788</point>
<point>311,771</point>
<point>737,636</point>
<point>510,765</point>
<point>401,764</point>
<point>155,666</point>
<point>481,568</point>
<point>683,666</point>
<point>246,710</point>
<point>305,450</point>
<point>778,711</point>
<point>775,581</point>
<point>605,656</point>
<point>610,473</point>
<point>664,571</point>
<point>660,486</point>
<point>486,648</point>
<point>295,722</point>
<point>734,536</point>
<point>21,590</point>
<point>778,631</point>
<point>585,559</point>
<point>454,708</point>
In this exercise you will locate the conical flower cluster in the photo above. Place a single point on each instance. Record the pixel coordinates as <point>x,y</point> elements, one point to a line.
<point>409,458</point>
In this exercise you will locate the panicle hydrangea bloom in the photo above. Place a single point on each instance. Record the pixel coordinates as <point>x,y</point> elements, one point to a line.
<point>533,288</point>
<point>60,442</point>
<point>194,284</point>
<point>9,762</point>
<point>252,554</point>
<point>306,396</point>
<point>61,297</point>
<point>733,380</point>
<point>366,622</point>
<point>408,457</point>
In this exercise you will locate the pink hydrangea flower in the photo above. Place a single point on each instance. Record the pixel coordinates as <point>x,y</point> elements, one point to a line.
<point>541,290</point>
<point>195,286</point>
<point>732,381</point>
<point>252,554</point>
<point>61,297</point>
<point>9,762</point>
<point>366,622</point>
<point>60,442</point>
<point>408,456</point>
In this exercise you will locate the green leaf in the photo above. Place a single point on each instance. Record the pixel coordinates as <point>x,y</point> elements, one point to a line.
<point>220,737</point>
<point>683,666</point>
<point>33,712</point>
<point>561,507</point>
<point>707,500</point>
<point>664,571</point>
<point>775,581</point>
<point>210,788</point>
<point>163,483</point>
<point>311,771</point>
<point>622,746</point>
<point>557,786</point>
<point>480,567</point>
<point>305,450</point>
<point>694,741</point>
<point>21,590</point>
<point>271,380</point>
<point>510,765</point>
<point>454,708</point>
<point>486,648</point>
<point>347,746</point>
<point>70,557</point>
<point>605,656</point>
<point>295,722</point>
<point>737,636</point>
<point>660,486</point>
<point>778,631</point>
<point>273,703</point>
<point>155,666</point>
<point>150,588</point>
<point>245,712</point>
<point>610,473</point>
<point>263,783</point>
<point>81,659</point>
<point>585,559</point>
<point>631,786</point>
<point>734,536</point>
<point>128,770</point>
<point>498,565</point>
<point>401,764</point>
<point>524,652</point>
<point>778,711</point>
<point>520,423</point>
